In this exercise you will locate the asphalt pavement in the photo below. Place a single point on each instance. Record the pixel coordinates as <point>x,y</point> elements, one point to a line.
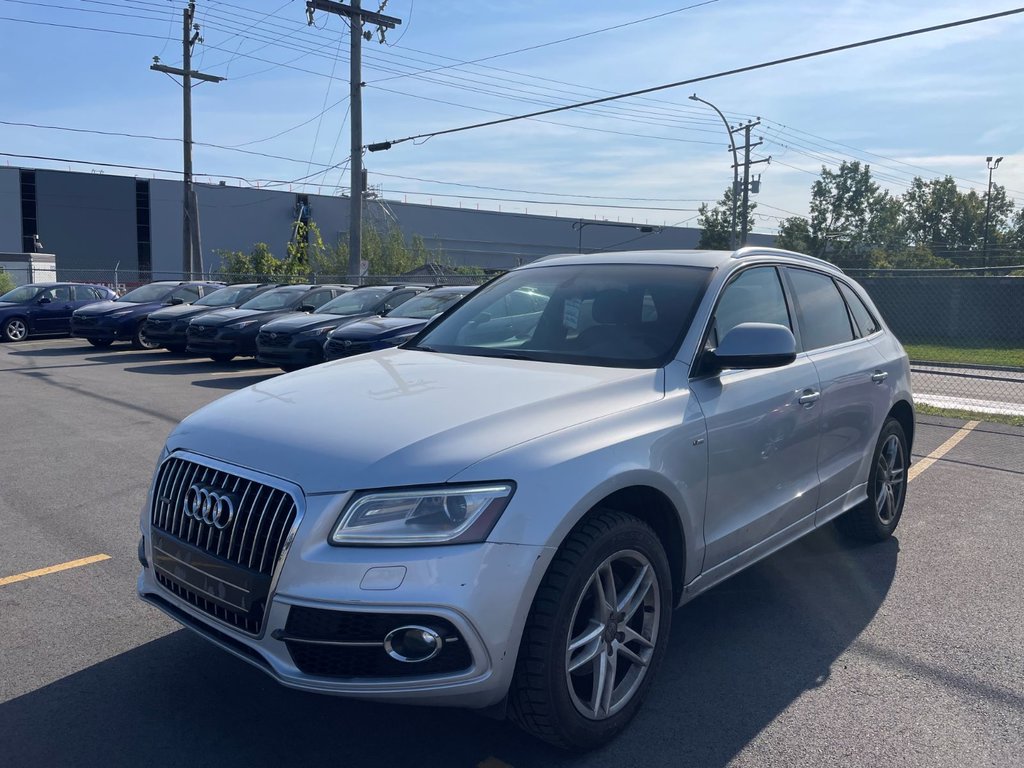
<point>906,653</point>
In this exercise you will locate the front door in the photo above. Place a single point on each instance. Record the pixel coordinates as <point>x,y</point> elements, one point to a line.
<point>55,314</point>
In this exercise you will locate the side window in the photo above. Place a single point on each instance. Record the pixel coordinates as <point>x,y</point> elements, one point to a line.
<point>62,293</point>
<point>86,293</point>
<point>187,293</point>
<point>824,320</point>
<point>755,296</point>
<point>861,315</point>
<point>397,298</point>
<point>317,298</point>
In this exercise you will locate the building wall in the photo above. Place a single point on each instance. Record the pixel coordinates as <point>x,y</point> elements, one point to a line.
<point>87,219</point>
<point>10,210</point>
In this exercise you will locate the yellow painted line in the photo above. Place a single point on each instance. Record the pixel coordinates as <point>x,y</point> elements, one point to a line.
<point>4,581</point>
<point>941,451</point>
<point>493,762</point>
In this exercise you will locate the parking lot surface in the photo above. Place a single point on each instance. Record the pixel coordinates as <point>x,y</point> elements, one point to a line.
<point>906,653</point>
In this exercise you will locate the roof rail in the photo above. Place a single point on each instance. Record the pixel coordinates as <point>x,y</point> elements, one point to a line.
<point>754,250</point>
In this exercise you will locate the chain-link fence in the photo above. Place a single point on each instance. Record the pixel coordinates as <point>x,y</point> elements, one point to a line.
<point>963,330</point>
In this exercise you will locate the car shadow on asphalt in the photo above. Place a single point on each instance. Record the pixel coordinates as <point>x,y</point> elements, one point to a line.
<point>738,657</point>
<point>236,382</point>
<point>198,365</point>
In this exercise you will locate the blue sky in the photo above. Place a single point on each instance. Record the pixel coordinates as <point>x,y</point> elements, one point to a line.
<point>930,105</point>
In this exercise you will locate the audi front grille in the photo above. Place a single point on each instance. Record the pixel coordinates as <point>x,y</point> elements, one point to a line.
<point>217,539</point>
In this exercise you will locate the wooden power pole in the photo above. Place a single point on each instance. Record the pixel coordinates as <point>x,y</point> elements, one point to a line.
<point>191,252</point>
<point>356,16</point>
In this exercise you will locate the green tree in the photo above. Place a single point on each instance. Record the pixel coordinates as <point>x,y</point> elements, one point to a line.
<point>842,205</point>
<point>795,235</point>
<point>6,283</point>
<point>715,223</point>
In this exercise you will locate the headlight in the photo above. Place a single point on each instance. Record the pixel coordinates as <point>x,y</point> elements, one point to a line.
<point>316,332</point>
<point>242,324</point>
<point>120,313</point>
<point>396,340</point>
<point>448,514</point>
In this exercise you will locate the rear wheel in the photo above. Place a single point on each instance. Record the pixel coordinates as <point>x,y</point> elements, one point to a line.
<point>595,634</point>
<point>101,343</point>
<point>140,340</point>
<point>876,518</point>
<point>15,329</point>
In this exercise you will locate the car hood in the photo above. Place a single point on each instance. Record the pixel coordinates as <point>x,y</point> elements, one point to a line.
<point>226,316</point>
<point>302,321</point>
<point>403,417</point>
<point>180,312</point>
<point>378,327</point>
<point>109,307</point>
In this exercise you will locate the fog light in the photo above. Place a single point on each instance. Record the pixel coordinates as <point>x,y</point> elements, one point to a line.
<point>142,552</point>
<point>413,643</point>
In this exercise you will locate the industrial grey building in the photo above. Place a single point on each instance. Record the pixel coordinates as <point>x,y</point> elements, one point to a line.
<point>96,221</point>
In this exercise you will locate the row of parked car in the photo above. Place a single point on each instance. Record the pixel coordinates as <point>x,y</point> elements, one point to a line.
<point>290,326</point>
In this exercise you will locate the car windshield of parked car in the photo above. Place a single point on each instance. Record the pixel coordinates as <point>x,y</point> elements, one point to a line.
<point>356,302</point>
<point>147,293</point>
<point>22,293</point>
<point>278,298</point>
<point>224,297</point>
<point>426,305</point>
<point>617,315</point>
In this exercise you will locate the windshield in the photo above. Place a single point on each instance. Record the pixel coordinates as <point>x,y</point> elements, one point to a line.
<point>278,298</point>
<point>426,305</point>
<point>22,293</point>
<point>147,293</point>
<point>357,302</point>
<point>618,315</point>
<point>225,297</point>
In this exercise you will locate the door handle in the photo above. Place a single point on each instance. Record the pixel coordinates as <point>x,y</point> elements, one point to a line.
<point>879,376</point>
<point>809,397</point>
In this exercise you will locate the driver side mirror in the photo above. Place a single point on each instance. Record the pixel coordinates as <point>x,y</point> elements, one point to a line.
<point>752,345</point>
<point>44,300</point>
<point>176,300</point>
<point>307,308</point>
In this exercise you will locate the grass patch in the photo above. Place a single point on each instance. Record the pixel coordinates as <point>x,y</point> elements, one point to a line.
<point>957,413</point>
<point>939,353</point>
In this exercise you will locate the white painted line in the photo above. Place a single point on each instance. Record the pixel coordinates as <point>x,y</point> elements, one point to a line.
<point>970,404</point>
<point>942,450</point>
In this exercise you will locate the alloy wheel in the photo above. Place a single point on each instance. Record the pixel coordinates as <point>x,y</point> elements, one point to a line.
<point>890,479</point>
<point>612,636</point>
<point>16,329</point>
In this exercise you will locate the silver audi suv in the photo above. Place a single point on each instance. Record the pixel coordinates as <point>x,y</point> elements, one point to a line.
<point>504,512</point>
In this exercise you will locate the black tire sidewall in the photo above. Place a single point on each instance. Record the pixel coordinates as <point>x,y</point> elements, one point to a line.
<point>579,731</point>
<point>891,427</point>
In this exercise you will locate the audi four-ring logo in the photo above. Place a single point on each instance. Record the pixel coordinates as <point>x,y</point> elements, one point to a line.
<point>209,506</point>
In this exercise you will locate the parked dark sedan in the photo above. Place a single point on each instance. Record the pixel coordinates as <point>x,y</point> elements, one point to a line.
<point>297,340</point>
<point>228,333</point>
<point>394,328</point>
<point>167,327</point>
<point>45,307</point>
<point>123,319</point>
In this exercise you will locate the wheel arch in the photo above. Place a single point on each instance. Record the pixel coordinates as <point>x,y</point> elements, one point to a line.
<point>903,412</point>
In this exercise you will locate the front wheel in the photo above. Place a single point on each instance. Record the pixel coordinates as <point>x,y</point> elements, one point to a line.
<point>876,518</point>
<point>141,341</point>
<point>101,343</point>
<point>15,329</point>
<point>595,634</point>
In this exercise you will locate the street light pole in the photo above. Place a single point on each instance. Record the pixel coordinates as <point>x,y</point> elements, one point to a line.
<point>992,164</point>
<point>579,224</point>
<point>735,167</point>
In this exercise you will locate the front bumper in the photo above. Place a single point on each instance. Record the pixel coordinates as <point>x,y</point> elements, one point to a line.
<point>296,352</point>
<point>103,329</point>
<point>225,342</point>
<point>483,590</point>
<point>167,334</point>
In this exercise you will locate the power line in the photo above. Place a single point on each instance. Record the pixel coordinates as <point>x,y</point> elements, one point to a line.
<point>704,78</point>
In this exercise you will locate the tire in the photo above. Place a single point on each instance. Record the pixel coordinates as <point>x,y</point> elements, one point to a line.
<point>876,518</point>
<point>222,357</point>
<point>15,329</point>
<point>139,340</point>
<point>178,349</point>
<point>290,368</point>
<point>101,343</point>
<point>615,552</point>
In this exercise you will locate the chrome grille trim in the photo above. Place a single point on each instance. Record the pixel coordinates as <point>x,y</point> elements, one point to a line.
<point>258,494</point>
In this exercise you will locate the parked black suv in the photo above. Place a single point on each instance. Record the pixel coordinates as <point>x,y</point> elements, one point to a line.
<point>167,327</point>
<point>297,340</point>
<point>228,333</point>
<point>123,319</point>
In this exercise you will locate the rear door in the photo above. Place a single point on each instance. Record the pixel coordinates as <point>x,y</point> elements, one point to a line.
<point>851,372</point>
<point>762,441</point>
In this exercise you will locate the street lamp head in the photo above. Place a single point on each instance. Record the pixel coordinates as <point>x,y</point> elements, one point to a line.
<point>988,159</point>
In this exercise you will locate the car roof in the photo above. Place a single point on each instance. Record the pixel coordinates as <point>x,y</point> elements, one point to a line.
<point>695,258</point>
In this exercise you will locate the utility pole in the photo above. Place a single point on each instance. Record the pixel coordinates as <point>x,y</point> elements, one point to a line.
<point>992,164</point>
<point>747,162</point>
<point>357,17</point>
<point>191,251</point>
